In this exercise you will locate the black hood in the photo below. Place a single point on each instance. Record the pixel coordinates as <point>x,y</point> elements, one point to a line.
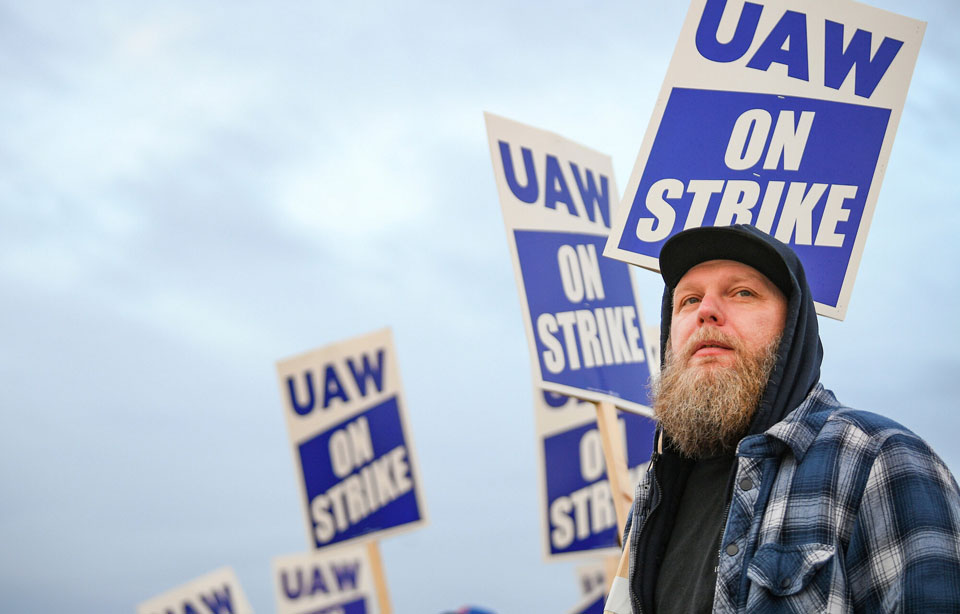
<point>797,369</point>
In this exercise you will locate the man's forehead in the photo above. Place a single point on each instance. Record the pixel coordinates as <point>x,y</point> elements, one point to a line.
<point>731,270</point>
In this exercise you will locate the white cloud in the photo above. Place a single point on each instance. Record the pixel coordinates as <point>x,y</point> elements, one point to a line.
<point>367,179</point>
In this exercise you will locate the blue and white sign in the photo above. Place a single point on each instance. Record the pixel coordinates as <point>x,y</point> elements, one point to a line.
<point>592,603</point>
<point>591,578</point>
<point>217,592</point>
<point>332,581</point>
<point>576,500</point>
<point>351,443</point>
<point>779,114</point>
<point>581,311</point>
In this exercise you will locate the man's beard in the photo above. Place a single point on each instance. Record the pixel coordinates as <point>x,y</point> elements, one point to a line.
<point>706,409</point>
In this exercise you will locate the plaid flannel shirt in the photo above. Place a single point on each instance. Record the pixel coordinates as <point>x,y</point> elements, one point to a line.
<point>836,510</point>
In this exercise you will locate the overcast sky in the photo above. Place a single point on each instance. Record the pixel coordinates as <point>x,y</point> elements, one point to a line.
<point>194,190</point>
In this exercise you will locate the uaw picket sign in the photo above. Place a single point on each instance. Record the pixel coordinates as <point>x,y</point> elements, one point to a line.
<point>581,311</point>
<point>590,578</point>
<point>575,497</point>
<point>779,114</point>
<point>591,603</point>
<point>217,592</point>
<point>351,444</point>
<point>330,581</point>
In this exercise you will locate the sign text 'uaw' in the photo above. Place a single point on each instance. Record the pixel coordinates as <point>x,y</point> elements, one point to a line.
<point>217,592</point>
<point>581,311</point>
<point>780,114</point>
<point>332,581</point>
<point>350,440</point>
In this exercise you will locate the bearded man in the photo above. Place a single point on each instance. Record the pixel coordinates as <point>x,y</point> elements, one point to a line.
<point>765,494</point>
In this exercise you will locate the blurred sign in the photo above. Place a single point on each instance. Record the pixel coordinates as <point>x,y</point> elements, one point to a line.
<point>591,577</point>
<point>777,114</point>
<point>217,592</point>
<point>332,581</point>
<point>581,311</point>
<point>575,498</point>
<point>351,443</point>
<point>592,603</point>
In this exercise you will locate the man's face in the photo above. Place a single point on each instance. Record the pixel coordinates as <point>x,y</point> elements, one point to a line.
<point>726,325</point>
<point>720,308</point>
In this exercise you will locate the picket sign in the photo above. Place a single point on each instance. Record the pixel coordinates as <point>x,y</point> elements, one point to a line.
<point>217,592</point>
<point>584,326</point>
<point>577,502</point>
<point>591,603</point>
<point>593,575</point>
<point>337,580</point>
<point>775,113</point>
<point>357,568</point>
<point>352,449</point>
<point>581,312</point>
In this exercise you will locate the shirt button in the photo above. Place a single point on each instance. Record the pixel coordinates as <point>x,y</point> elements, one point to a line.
<point>732,549</point>
<point>746,483</point>
<point>785,582</point>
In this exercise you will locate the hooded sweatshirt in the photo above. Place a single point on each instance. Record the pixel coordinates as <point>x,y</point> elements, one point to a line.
<point>795,373</point>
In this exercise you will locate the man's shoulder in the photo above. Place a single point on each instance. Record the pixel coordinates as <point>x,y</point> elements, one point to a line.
<point>871,424</point>
<point>823,421</point>
<point>871,434</point>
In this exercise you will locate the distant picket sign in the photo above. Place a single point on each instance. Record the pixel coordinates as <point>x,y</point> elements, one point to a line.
<point>330,581</point>
<point>581,311</point>
<point>217,592</point>
<point>779,114</point>
<point>351,444</point>
<point>591,578</point>
<point>592,603</point>
<point>575,497</point>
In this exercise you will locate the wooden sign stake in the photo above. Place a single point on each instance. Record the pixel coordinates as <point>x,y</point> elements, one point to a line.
<point>618,595</point>
<point>615,457</point>
<point>618,476</point>
<point>610,565</point>
<point>379,579</point>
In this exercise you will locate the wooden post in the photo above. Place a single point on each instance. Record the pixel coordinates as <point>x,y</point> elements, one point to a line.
<point>610,565</point>
<point>618,597</point>
<point>615,457</point>
<point>379,579</point>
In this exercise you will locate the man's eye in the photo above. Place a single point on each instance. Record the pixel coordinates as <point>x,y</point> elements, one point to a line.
<point>744,292</point>
<point>690,300</point>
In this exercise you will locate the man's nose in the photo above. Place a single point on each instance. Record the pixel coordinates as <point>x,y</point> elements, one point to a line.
<point>710,311</point>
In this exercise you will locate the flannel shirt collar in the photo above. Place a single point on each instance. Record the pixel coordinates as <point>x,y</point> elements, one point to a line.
<point>796,431</point>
